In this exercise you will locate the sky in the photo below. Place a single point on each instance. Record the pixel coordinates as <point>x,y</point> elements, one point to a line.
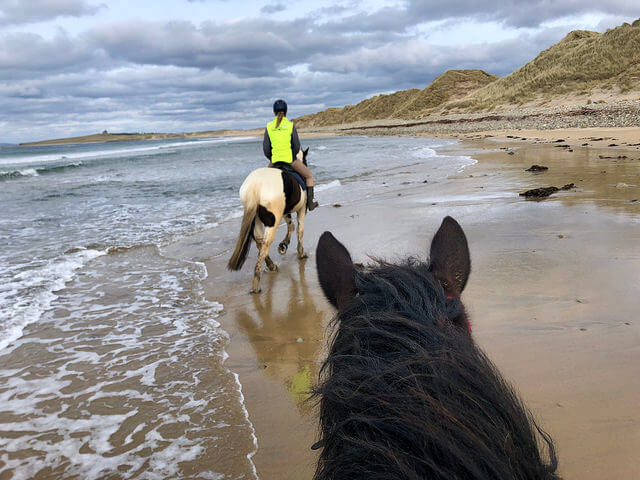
<point>77,67</point>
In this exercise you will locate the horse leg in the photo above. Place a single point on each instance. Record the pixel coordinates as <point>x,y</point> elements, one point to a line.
<point>282,248</point>
<point>270,265</point>
<point>301,214</point>
<point>267,260</point>
<point>263,254</point>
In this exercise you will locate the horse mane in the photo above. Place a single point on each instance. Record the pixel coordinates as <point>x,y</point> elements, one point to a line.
<point>407,394</point>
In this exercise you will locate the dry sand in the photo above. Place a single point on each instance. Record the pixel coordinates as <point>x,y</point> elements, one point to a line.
<point>553,295</point>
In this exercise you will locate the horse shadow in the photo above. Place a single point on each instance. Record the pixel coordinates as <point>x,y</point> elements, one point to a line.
<point>285,329</point>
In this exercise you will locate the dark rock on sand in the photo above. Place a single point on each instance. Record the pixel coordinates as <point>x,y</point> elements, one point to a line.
<point>545,191</point>
<point>536,168</point>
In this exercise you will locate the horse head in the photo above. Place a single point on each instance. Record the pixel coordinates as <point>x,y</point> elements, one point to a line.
<point>450,266</point>
<point>405,392</point>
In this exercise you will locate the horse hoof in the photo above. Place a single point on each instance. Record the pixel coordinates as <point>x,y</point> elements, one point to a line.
<point>255,292</point>
<point>303,256</point>
<point>282,248</point>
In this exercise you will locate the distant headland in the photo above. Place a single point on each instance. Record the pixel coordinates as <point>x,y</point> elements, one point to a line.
<point>105,136</point>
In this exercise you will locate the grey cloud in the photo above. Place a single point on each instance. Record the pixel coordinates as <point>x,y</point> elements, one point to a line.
<point>177,76</point>
<point>514,13</point>
<point>247,48</point>
<point>23,55</point>
<point>14,12</point>
<point>518,13</point>
<point>278,7</point>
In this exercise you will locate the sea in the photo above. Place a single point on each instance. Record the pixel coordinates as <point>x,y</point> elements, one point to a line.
<point>112,358</point>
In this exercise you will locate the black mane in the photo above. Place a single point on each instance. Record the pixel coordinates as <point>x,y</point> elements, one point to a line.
<point>405,393</point>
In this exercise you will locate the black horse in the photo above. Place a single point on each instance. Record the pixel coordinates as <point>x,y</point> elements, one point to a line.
<point>405,393</point>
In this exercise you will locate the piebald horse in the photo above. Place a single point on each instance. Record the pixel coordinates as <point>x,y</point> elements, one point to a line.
<point>405,392</point>
<point>268,195</point>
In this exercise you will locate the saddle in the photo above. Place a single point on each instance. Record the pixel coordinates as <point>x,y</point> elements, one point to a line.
<point>287,168</point>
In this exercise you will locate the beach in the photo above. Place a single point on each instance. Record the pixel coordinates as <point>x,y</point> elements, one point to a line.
<point>552,295</point>
<point>135,346</point>
<point>142,356</point>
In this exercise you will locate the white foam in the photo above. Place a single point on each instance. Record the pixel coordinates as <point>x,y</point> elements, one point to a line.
<point>29,172</point>
<point>424,152</point>
<point>156,328</point>
<point>23,300</point>
<point>237,213</point>
<point>253,430</point>
<point>468,161</point>
<point>327,186</point>
<point>209,141</point>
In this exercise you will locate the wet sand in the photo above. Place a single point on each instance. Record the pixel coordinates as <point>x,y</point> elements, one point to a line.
<point>553,297</point>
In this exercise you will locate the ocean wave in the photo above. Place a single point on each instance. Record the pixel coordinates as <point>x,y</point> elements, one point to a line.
<point>237,213</point>
<point>468,161</point>
<point>327,186</point>
<point>147,352</point>
<point>137,150</point>
<point>30,292</point>
<point>58,168</point>
<point>424,152</point>
<point>37,171</point>
<point>195,143</point>
<point>16,174</point>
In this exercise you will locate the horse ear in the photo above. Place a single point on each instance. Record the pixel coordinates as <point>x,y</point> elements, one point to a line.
<point>335,270</point>
<point>450,259</point>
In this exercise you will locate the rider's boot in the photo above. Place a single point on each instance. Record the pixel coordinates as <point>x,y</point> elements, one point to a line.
<point>311,203</point>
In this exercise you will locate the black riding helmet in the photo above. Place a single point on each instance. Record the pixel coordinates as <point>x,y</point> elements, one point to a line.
<point>280,106</point>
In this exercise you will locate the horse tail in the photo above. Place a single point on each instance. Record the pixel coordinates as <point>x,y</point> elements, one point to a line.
<point>246,233</point>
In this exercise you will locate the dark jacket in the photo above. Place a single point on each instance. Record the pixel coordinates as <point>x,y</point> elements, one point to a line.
<point>295,144</point>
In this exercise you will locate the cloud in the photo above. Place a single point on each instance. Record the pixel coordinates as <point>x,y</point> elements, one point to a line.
<point>182,76</point>
<point>123,94</point>
<point>511,13</point>
<point>274,8</point>
<point>13,12</point>
<point>24,55</point>
<point>250,47</point>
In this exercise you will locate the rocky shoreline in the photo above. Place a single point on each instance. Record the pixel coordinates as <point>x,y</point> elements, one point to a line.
<point>595,115</point>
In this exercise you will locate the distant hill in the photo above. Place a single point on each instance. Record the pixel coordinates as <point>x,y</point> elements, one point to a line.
<point>453,84</point>
<point>581,63</point>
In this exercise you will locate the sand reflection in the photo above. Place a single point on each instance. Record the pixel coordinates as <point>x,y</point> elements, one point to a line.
<point>285,329</point>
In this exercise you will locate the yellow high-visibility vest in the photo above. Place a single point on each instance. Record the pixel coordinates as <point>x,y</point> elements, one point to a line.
<point>280,138</point>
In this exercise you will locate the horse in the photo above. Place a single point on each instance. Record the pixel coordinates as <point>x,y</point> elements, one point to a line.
<point>269,195</point>
<point>405,392</point>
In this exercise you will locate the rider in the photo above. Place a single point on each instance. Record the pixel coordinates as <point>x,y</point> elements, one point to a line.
<point>281,144</point>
